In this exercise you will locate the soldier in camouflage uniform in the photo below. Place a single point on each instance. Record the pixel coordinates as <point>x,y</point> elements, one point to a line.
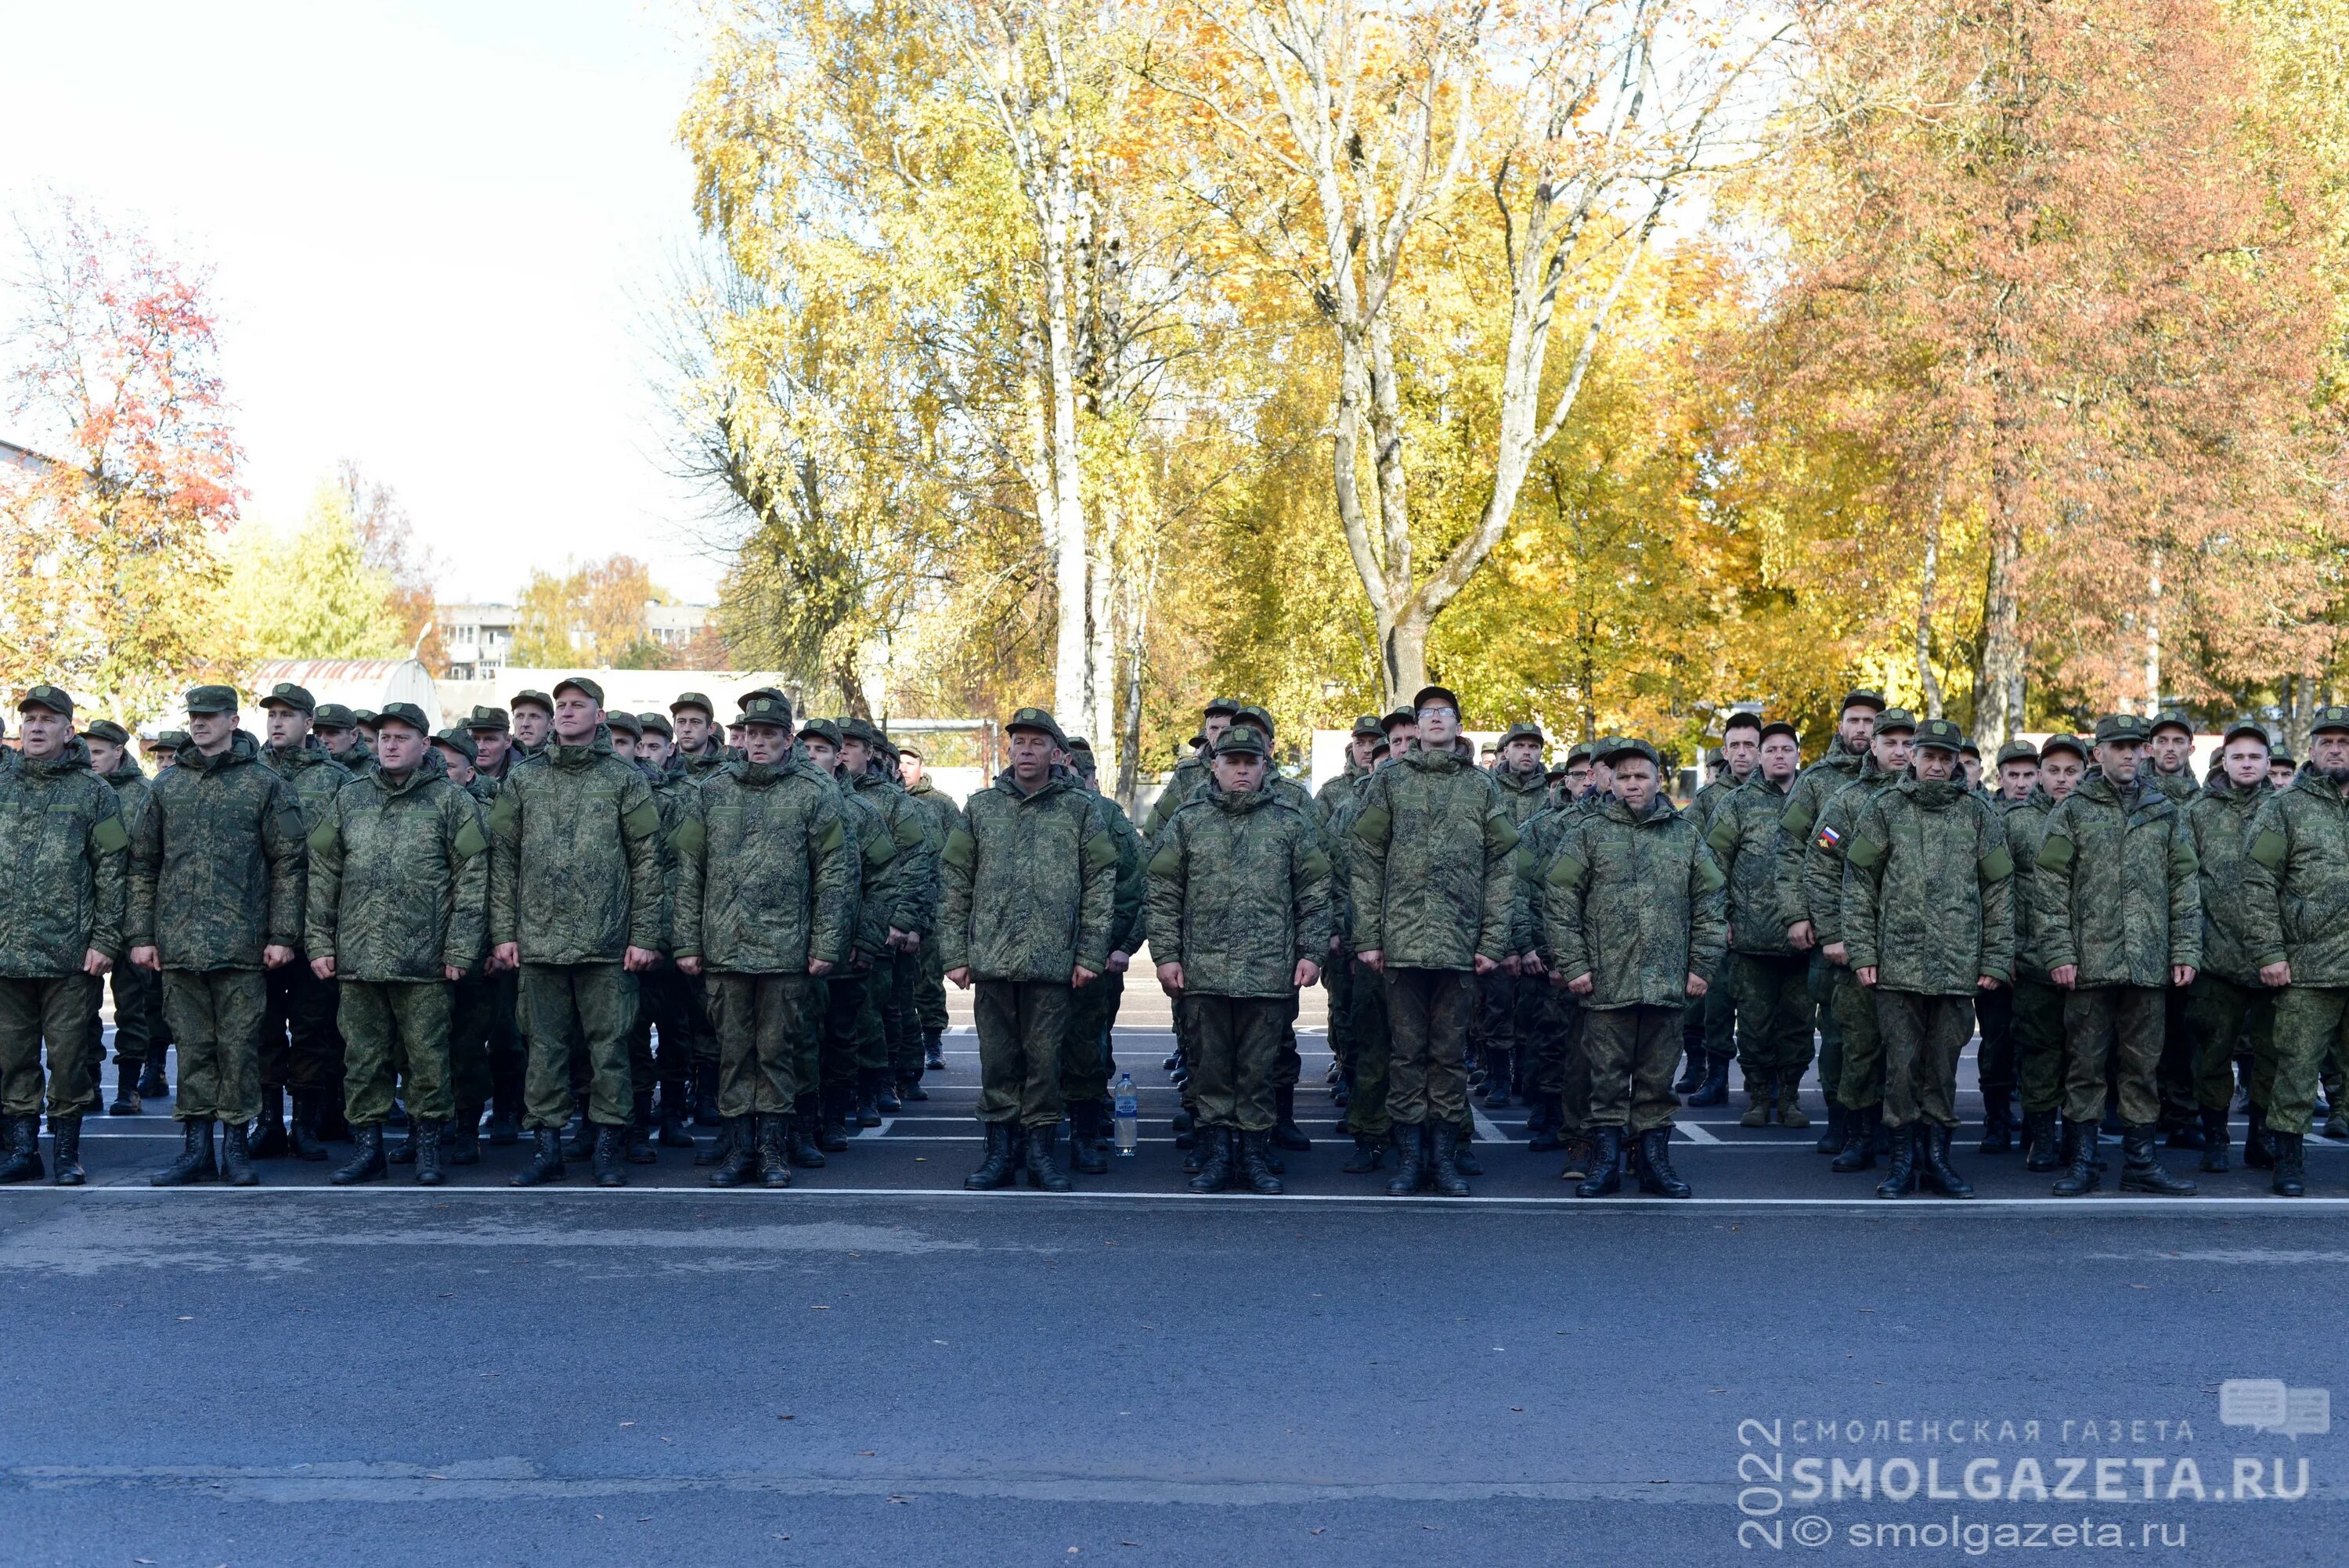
<point>575,903</point>
<point>476,1013</point>
<point>1337,968</point>
<point>1927,925</point>
<point>2120,919</point>
<point>1286,1133</point>
<point>1846,758</point>
<point>764,943</point>
<point>666,1001</point>
<point>940,818</point>
<point>909,888</point>
<point>492,734</point>
<point>1634,925</point>
<point>2005,790</point>
<point>853,1048</point>
<point>2169,767</point>
<point>397,903</point>
<point>139,1035</point>
<point>1189,777</point>
<point>337,728</point>
<point>1507,1001</point>
<point>1774,1010</point>
<point>1239,909</point>
<point>2063,762</point>
<point>2295,884</point>
<point>1031,892</point>
<point>1085,1055</point>
<point>215,901</point>
<point>1434,902</point>
<point>301,1046</point>
<point>2228,997</point>
<point>534,721</point>
<point>1709,1028</point>
<point>61,906</point>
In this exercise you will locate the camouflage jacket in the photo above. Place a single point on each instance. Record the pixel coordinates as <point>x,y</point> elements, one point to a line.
<point>1809,796</point>
<point>2179,786</point>
<point>315,778</point>
<point>2026,827</point>
<point>878,887</point>
<point>1337,789</point>
<point>484,789</point>
<point>1031,885</point>
<point>1928,890</point>
<point>673,796</point>
<point>1714,796</point>
<point>940,815</point>
<point>216,864</point>
<point>1239,891</point>
<point>1190,777</point>
<point>913,878</point>
<point>1536,841</point>
<point>64,850</point>
<point>575,857</point>
<point>2116,888</point>
<point>1341,807</point>
<point>1129,922</point>
<point>2218,819</point>
<point>1742,834</point>
<point>133,789</point>
<point>2296,881</point>
<point>696,770</point>
<point>791,824</point>
<point>399,876</point>
<point>1524,796</point>
<point>1432,866</point>
<point>1823,857</point>
<point>1636,904</point>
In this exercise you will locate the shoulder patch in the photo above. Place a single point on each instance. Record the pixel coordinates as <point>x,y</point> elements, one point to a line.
<point>909,830</point>
<point>1797,822</point>
<point>961,848</point>
<point>1724,834</point>
<point>880,848</point>
<point>502,812</point>
<point>1564,871</point>
<point>642,818</point>
<point>1708,875</point>
<point>1101,851</point>
<point>322,838</point>
<point>1500,835</point>
<point>1373,825</point>
<point>469,841</point>
<point>1996,866</point>
<point>2055,852</point>
<point>1169,856</point>
<point>2268,848</point>
<point>836,833</point>
<point>1317,864</point>
<point>688,836</point>
<point>107,838</point>
<point>1865,852</point>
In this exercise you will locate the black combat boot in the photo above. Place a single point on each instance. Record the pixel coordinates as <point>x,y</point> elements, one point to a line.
<point>23,1159</point>
<point>150,1082</point>
<point>1714,1089</point>
<point>404,1151</point>
<point>545,1160</point>
<point>1938,1172</point>
<point>884,1094</point>
<point>1581,1157</point>
<point>2184,1134</point>
<point>704,1094</point>
<point>909,1087</point>
<point>1700,1063</point>
<point>236,1157</point>
<point>366,1163</point>
<point>1655,1165</point>
<point>869,1083</point>
<point>1411,1159</point>
<point>737,1158</point>
<point>505,1122</point>
<point>673,1111</point>
<point>1604,1165</point>
<point>2141,1172</point>
<point>1369,1153</point>
<point>1088,1139</point>
<point>2041,1150</point>
<point>1254,1171</point>
<point>126,1090</point>
<point>1043,1163</point>
<point>609,1161</point>
<point>800,1138</point>
<point>465,1137</point>
<point>774,1158</point>
<point>1215,1161</point>
<point>65,1131</point>
<point>2259,1152</point>
<point>1496,1077</point>
<point>427,1154</point>
<point>1286,1133</point>
<point>2079,1178</point>
<point>1790,1102</point>
<point>2215,1139</point>
<point>1858,1141</point>
<point>1761,1090</point>
<point>1463,1152</point>
<point>195,1161</point>
<point>578,1138</point>
<point>934,1050</point>
<point>309,1109</point>
<point>1997,1137</point>
<point>1838,1120</point>
<point>1551,1137</point>
<point>1900,1174</point>
<point>839,1106</point>
<point>268,1138</point>
<point>2289,1181</point>
<point>1444,1174</point>
<point>640,1131</point>
<point>995,1170</point>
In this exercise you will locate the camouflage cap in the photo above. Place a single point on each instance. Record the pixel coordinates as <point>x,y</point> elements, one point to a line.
<point>1037,719</point>
<point>685,700</point>
<point>490,718</point>
<point>171,740</point>
<point>1621,747</point>
<point>1080,747</point>
<point>2063,740</point>
<point>1716,759</point>
<point>586,685</point>
<point>333,715</point>
<point>1580,751</point>
<point>1743,718</point>
<point>366,717</point>
<point>1240,740</point>
<point>211,699</point>
<point>1939,734</point>
<point>775,692</point>
<point>620,721</point>
<point>821,729</point>
<point>2017,751</point>
<point>537,699</point>
<point>106,729</point>
<point>405,713</point>
<point>768,712</point>
<point>2170,718</point>
<point>47,698</point>
<point>858,729</point>
<point>285,694</point>
<point>1256,717</point>
<point>1862,697</point>
<point>1439,696</point>
<point>459,741</point>
<point>1893,721</point>
<point>1366,728</point>
<point>1525,730</point>
<point>2331,716</point>
<point>2281,753</point>
<point>1401,719</point>
<point>2250,727</point>
<point>1966,748</point>
<point>656,723</point>
<point>1780,727</point>
<point>1226,706</point>
<point>2121,727</point>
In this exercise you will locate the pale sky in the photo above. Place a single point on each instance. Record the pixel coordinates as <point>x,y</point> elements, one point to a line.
<point>435,225</point>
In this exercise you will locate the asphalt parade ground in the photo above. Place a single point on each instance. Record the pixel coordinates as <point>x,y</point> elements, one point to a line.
<point>876,1367</point>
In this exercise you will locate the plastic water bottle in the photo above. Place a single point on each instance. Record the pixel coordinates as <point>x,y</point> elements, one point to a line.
<point>1128,1114</point>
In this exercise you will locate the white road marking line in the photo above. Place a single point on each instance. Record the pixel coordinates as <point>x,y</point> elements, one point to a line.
<point>1485,1131</point>
<point>1697,1134</point>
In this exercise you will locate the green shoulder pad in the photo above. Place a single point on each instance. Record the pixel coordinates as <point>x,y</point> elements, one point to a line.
<point>1500,835</point>
<point>880,848</point>
<point>961,848</point>
<point>1169,856</point>
<point>2055,852</point>
<point>1101,850</point>
<point>1865,853</point>
<point>909,830</point>
<point>1564,871</point>
<point>2182,858</point>
<point>1995,866</point>
<point>642,818</point>
<point>107,838</point>
<point>1710,876</point>
<point>836,833</point>
<point>1524,863</point>
<point>322,838</point>
<point>1373,825</point>
<point>2268,848</point>
<point>689,836</point>
<point>1723,835</point>
<point>1797,822</point>
<point>502,812</point>
<point>1317,864</point>
<point>469,841</point>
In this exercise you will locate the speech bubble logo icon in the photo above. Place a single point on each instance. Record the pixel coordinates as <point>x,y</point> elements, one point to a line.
<point>2306,1412</point>
<point>2260,1403</point>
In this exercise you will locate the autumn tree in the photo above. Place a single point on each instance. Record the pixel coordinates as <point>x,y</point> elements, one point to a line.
<point>389,543</point>
<point>591,614</point>
<point>313,593</point>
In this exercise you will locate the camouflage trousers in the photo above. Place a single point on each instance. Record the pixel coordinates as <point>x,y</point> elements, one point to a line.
<point>588,1006</point>
<point>1573,1075</point>
<point>1994,1014</point>
<point>1240,1042</point>
<point>1085,1048</point>
<point>53,1010</point>
<point>2038,1011</point>
<point>1021,1024</point>
<point>396,1029</point>
<point>2308,1023</point>
<point>2219,1013</point>
<point>1923,1038</point>
<point>1366,1021</point>
<point>929,986</point>
<point>1427,1034</point>
<point>762,1022</point>
<point>1338,981</point>
<point>851,1040</point>
<point>1821,977</point>
<point>140,1037</point>
<point>1709,1023</point>
<point>901,1024</point>
<point>215,1018</point>
<point>301,1048</point>
<point>2097,1019</point>
<point>1632,1052</point>
<point>1774,1015</point>
<point>1859,1085</point>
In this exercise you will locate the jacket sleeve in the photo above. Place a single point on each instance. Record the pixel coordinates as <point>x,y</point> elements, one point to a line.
<point>468,882</point>
<point>956,863</point>
<point>1167,874</point>
<point>1795,824</point>
<point>835,873</point>
<point>325,911</point>
<point>1565,883</point>
<point>916,866</point>
<point>1862,887</point>
<point>289,856</point>
<point>640,842</point>
<point>1708,896</point>
<point>1368,856</point>
<point>1496,941</point>
<point>109,871</point>
<point>1823,876</point>
<point>2051,885</point>
<point>1130,923</point>
<point>1995,867</point>
<point>1309,885</point>
<point>2185,896</point>
<point>146,866</point>
<point>2266,848</point>
<point>1096,891</point>
<point>691,837</point>
<point>505,864</point>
